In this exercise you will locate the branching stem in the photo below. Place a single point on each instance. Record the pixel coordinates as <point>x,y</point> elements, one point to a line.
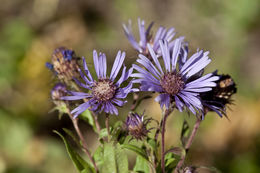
<point>188,144</point>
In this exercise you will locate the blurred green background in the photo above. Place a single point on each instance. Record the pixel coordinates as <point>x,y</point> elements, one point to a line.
<point>31,29</point>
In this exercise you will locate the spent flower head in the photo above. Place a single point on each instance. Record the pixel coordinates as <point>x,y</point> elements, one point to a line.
<point>220,96</point>
<point>146,37</point>
<point>136,126</point>
<point>105,93</point>
<point>174,81</point>
<point>64,64</point>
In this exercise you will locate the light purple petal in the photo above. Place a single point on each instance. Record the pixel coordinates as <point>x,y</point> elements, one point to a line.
<point>176,52</point>
<point>117,65</point>
<point>165,55</point>
<point>81,108</point>
<point>96,63</point>
<point>163,99</point>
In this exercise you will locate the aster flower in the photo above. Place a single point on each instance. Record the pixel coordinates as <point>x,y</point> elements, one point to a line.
<point>175,82</point>
<point>137,125</point>
<point>105,92</point>
<point>64,64</point>
<point>220,96</point>
<point>146,37</point>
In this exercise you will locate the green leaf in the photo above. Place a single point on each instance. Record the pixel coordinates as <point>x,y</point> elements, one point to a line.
<point>170,162</point>
<point>98,156</point>
<point>136,149</point>
<point>78,161</point>
<point>152,143</point>
<point>87,116</point>
<point>70,133</point>
<point>115,160</point>
<point>141,165</point>
<point>103,133</point>
<point>121,160</point>
<point>185,132</point>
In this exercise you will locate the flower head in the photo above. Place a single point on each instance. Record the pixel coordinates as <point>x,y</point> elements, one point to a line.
<point>175,81</point>
<point>220,96</point>
<point>137,126</point>
<point>58,91</point>
<point>147,38</point>
<point>104,92</point>
<point>64,64</point>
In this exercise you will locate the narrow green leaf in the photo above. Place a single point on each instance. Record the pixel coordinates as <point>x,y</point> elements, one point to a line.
<point>77,160</point>
<point>141,165</point>
<point>136,149</point>
<point>87,116</point>
<point>70,133</point>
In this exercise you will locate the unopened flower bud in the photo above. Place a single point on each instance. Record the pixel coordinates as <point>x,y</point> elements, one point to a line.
<point>137,126</point>
<point>58,91</point>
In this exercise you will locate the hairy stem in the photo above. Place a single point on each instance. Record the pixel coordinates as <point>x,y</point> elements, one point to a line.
<point>163,124</point>
<point>84,144</point>
<point>188,144</point>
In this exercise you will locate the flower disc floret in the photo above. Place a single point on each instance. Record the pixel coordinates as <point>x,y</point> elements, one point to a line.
<point>171,83</point>
<point>103,89</point>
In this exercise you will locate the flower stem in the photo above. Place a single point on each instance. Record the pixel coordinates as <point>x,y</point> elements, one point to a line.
<point>163,124</point>
<point>188,144</point>
<point>84,144</point>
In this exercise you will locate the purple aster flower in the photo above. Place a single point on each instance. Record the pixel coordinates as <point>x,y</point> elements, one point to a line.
<point>175,81</point>
<point>64,64</point>
<point>105,92</point>
<point>220,96</point>
<point>146,37</point>
<point>137,125</point>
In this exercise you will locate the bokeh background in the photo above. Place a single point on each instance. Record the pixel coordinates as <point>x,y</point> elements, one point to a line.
<point>31,29</point>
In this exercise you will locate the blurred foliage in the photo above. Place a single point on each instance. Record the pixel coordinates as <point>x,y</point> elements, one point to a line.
<point>31,29</point>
